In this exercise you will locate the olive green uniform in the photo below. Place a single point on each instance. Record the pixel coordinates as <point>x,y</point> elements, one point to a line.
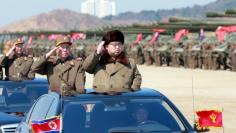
<point>17,68</point>
<point>1,73</point>
<point>113,77</point>
<point>65,77</point>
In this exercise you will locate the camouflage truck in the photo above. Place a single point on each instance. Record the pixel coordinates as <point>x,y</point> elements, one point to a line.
<point>232,57</point>
<point>78,49</point>
<point>39,46</point>
<point>162,53</point>
<point>134,50</point>
<point>147,50</point>
<point>207,49</point>
<point>220,55</point>
<point>178,55</point>
<point>231,60</point>
<point>196,56</point>
<point>189,55</point>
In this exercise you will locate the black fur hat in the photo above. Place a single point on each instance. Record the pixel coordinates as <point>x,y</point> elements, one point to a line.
<point>114,35</point>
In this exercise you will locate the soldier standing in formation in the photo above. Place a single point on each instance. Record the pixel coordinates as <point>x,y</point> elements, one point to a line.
<point>113,70</point>
<point>17,64</point>
<point>64,73</point>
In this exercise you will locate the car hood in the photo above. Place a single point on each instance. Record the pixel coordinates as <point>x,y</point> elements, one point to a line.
<point>8,119</point>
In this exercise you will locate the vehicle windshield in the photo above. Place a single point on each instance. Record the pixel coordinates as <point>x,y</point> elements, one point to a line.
<point>19,96</point>
<point>121,115</point>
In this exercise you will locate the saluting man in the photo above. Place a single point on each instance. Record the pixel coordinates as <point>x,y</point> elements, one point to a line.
<point>113,70</point>
<point>17,64</point>
<point>1,73</point>
<point>64,73</point>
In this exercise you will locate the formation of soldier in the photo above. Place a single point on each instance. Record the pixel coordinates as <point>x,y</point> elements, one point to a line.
<point>189,53</point>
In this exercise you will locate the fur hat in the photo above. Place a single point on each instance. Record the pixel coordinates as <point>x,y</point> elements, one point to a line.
<point>112,36</point>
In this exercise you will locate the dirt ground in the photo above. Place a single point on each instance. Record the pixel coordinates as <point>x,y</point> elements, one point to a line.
<point>211,89</point>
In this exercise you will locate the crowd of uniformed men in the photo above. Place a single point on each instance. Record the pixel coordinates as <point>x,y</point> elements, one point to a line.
<point>65,65</point>
<point>188,53</point>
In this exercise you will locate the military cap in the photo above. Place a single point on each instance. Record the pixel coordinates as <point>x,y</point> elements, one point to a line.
<point>18,41</point>
<point>63,39</point>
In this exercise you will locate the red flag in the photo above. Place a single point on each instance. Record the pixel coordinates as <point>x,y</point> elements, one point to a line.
<point>154,38</point>
<point>47,125</point>
<point>77,36</point>
<point>42,36</point>
<point>30,40</point>
<point>139,39</point>
<point>180,33</point>
<point>54,36</point>
<point>222,30</point>
<point>210,118</point>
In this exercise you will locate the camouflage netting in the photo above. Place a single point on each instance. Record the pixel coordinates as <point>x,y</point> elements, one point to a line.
<point>221,48</point>
<point>165,43</point>
<point>231,38</point>
<point>210,40</point>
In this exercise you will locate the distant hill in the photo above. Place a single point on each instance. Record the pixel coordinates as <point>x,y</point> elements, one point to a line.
<point>66,20</point>
<point>56,20</point>
<point>163,15</point>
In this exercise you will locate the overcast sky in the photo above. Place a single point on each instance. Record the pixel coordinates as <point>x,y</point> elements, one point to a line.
<point>12,10</point>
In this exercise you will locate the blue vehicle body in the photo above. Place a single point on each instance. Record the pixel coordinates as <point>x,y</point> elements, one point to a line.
<point>108,113</point>
<point>16,98</point>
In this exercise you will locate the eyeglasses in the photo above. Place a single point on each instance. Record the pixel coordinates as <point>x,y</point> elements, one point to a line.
<point>114,44</point>
<point>64,47</point>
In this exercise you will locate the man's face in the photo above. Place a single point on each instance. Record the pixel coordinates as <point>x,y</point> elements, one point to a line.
<point>19,49</point>
<point>141,115</point>
<point>114,48</point>
<point>64,50</point>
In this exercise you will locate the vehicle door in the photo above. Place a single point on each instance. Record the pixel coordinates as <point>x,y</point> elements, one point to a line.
<point>46,106</point>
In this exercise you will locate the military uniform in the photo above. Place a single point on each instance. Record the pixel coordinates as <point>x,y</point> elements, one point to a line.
<point>17,67</point>
<point>1,73</point>
<point>113,76</point>
<point>65,77</point>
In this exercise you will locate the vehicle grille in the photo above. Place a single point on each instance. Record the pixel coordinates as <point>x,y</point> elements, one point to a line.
<point>9,130</point>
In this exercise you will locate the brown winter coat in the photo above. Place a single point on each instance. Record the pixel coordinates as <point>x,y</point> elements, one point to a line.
<point>115,76</point>
<point>67,76</point>
<point>17,68</point>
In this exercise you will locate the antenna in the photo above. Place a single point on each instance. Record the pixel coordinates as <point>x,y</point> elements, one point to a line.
<point>193,102</point>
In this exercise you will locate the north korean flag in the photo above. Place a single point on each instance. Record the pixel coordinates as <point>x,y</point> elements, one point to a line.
<point>51,125</point>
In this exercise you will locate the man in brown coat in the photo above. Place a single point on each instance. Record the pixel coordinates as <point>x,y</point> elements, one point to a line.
<point>113,70</point>
<point>64,73</point>
<point>17,64</point>
<point>1,73</point>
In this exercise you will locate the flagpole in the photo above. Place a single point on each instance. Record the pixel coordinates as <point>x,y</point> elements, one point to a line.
<point>193,102</point>
<point>223,120</point>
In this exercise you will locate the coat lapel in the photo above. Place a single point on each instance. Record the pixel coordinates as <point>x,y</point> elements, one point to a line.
<point>118,66</point>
